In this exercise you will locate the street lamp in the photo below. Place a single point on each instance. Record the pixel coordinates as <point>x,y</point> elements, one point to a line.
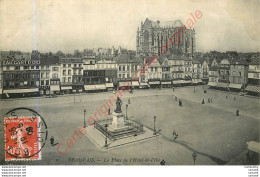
<point>154,131</point>
<point>126,106</point>
<point>106,145</point>
<point>84,118</point>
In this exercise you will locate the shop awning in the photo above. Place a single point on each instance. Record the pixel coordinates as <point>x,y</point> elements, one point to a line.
<point>253,88</point>
<point>100,87</point>
<point>66,87</point>
<point>109,85</point>
<point>125,84</point>
<point>236,86</point>
<point>135,83</point>
<point>253,146</point>
<point>89,87</point>
<point>213,84</point>
<point>177,82</point>
<point>196,81</point>
<point>154,82</point>
<point>55,88</point>
<point>22,90</point>
<point>166,83</point>
<point>222,84</point>
<point>186,82</point>
<point>143,84</point>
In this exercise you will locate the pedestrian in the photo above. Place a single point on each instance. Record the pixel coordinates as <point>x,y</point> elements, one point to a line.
<point>108,111</point>
<point>237,112</point>
<point>234,98</point>
<point>173,89</point>
<point>180,103</point>
<point>203,101</point>
<point>52,140</point>
<point>129,101</point>
<point>176,99</point>
<point>176,136</point>
<point>226,96</point>
<point>173,133</point>
<point>209,100</point>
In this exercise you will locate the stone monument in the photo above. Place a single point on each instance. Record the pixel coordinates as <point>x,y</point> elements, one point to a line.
<point>118,122</point>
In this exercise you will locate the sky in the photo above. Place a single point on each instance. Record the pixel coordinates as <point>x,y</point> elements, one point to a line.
<point>67,25</point>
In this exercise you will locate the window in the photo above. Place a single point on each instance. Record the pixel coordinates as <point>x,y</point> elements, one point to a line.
<point>47,66</point>
<point>79,72</point>
<point>75,65</point>
<point>42,67</point>
<point>54,75</point>
<point>47,82</point>
<point>26,67</point>
<point>64,72</point>
<point>69,72</point>
<point>64,65</point>
<point>47,75</point>
<point>37,67</point>
<point>155,69</point>
<point>32,67</point>
<point>7,67</point>
<point>17,68</point>
<point>64,79</point>
<point>119,68</point>
<point>127,75</point>
<point>80,65</point>
<point>42,75</point>
<point>42,82</point>
<point>240,74</point>
<point>55,69</point>
<point>69,79</point>
<point>69,65</point>
<point>119,75</point>
<point>91,62</point>
<point>123,68</point>
<point>127,67</point>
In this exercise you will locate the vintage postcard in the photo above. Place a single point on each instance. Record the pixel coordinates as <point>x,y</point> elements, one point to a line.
<point>117,82</point>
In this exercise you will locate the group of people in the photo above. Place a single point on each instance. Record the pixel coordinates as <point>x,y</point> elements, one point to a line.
<point>209,101</point>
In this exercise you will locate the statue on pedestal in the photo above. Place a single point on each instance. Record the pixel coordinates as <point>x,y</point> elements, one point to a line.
<point>118,105</point>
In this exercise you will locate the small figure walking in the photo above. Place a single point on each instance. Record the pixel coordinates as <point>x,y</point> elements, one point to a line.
<point>226,96</point>
<point>234,98</point>
<point>176,136</point>
<point>194,156</point>
<point>52,141</point>
<point>209,100</point>
<point>203,101</point>
<point>180,103</point>
<point>176,99</point>
<point>108,111</point>
<point>237,112</point>
<point>173,89</point>
<point>129,101</point>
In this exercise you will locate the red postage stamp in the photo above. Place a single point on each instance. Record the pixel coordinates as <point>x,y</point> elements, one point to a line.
<point>22,138</point>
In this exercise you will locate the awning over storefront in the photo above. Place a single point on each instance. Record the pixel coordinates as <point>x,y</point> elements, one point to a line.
<point>100,87</point>
<point>222,84</point>
<point>66,87</point>
<point>177,82</point>
<point>196,81</point>
<point>135,83</point>
<point>143,84</point>
<point>236,86</point>
<point>187,82</point>
<point>89,87</point>
<point>253,88</point>
<point>109,85</point>
<point>166,83</point>
<point>154,82</point>
<point>55,88</point>
<point>22,90</point>
<point>213,84</point>
<point>125,84</point>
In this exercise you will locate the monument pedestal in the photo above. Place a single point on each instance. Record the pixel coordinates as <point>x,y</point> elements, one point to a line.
<point>118,122</point>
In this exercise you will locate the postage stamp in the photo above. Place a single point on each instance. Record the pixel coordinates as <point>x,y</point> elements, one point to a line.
<point>24,135</point>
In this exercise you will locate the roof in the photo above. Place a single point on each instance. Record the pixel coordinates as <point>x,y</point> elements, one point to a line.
<point>150,23</point>
<point>125,58</point>
<point>47,59</point>
<point>255,61</point>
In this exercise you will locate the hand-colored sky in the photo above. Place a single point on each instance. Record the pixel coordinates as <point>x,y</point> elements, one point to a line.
<point>52,25</point>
